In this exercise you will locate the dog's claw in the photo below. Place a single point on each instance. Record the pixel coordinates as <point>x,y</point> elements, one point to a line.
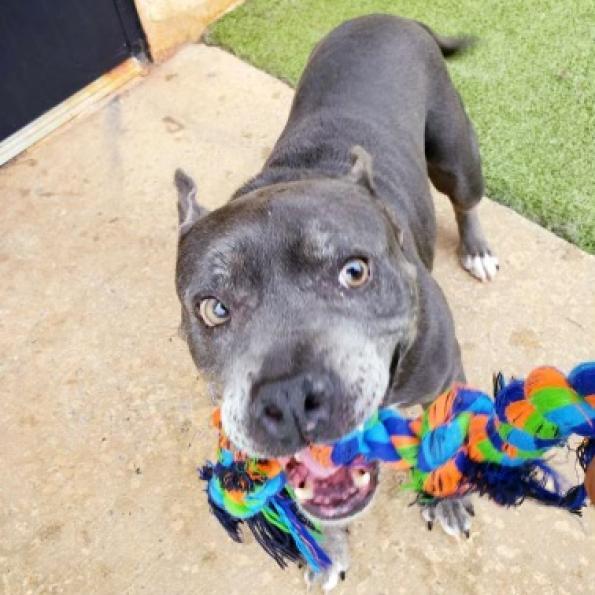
<point>469,507</point>
<point>342,575</point>
<point>430,525</point>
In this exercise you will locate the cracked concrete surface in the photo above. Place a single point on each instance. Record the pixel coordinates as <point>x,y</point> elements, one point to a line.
<point>104,419</point>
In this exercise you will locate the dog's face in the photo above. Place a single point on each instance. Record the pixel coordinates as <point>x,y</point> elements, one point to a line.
<point>296,299</point>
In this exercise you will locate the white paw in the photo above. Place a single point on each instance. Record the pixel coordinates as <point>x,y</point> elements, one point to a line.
<point>483,267</point>
<point>453,514</point>
<point>327,579</point>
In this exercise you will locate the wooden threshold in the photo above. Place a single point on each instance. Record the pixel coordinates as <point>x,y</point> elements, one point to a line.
<point>70,108</point>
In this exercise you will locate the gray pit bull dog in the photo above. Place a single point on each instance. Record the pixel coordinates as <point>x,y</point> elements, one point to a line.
<point>308,298</point>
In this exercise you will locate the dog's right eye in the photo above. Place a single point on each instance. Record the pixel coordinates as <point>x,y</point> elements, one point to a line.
<point>213,312</point>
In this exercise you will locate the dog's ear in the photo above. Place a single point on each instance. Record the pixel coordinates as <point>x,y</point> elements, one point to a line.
<point>362,173</point>
<point>189,210</point>
<point>361,168</point>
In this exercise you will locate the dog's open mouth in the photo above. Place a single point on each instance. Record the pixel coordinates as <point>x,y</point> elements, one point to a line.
<point>331,493</point>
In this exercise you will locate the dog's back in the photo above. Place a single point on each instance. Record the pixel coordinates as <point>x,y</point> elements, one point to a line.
<point>370,82</point>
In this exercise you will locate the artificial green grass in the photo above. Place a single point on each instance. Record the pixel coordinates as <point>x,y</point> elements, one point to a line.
<point>529,87</point>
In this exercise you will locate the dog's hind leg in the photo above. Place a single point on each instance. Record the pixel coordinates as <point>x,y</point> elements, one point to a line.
<point>454,166</point>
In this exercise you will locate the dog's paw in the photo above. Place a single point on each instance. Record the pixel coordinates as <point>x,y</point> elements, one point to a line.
<point>327,579</point>
<point>453,514</point>
<point>337,547</point>
<point>474,250</point>
<point>482,265</point>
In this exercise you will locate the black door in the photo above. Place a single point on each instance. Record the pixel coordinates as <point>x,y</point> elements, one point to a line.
<point>49,49</point>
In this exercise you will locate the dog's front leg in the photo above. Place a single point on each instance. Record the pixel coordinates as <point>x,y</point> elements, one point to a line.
<point>336,545</point>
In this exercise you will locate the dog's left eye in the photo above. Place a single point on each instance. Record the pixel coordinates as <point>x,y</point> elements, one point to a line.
<point>213,312</point>
<point>355,273</point>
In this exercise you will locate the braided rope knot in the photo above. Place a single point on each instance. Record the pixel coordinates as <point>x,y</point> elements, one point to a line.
<point>244,487</point>
<point>464,441</point>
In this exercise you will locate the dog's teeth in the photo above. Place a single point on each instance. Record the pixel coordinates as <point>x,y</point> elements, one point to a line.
<point>298,457</point>
<point>361,480</point>
<point>305,493</point>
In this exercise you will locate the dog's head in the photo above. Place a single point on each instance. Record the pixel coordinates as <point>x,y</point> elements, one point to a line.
<point>296,301</point>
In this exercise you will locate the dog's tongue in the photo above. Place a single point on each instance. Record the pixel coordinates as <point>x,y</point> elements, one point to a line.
<point>314,467</point>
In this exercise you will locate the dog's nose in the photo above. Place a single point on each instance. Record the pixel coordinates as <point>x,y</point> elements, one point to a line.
<point>295,407</point>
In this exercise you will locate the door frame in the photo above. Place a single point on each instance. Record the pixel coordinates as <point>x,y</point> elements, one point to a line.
<point>132,28</point>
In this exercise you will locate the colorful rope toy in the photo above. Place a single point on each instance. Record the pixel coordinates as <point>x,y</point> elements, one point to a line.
<point>464,442</point>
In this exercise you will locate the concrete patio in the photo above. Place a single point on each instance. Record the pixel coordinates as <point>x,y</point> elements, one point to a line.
<point>104,419</point>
